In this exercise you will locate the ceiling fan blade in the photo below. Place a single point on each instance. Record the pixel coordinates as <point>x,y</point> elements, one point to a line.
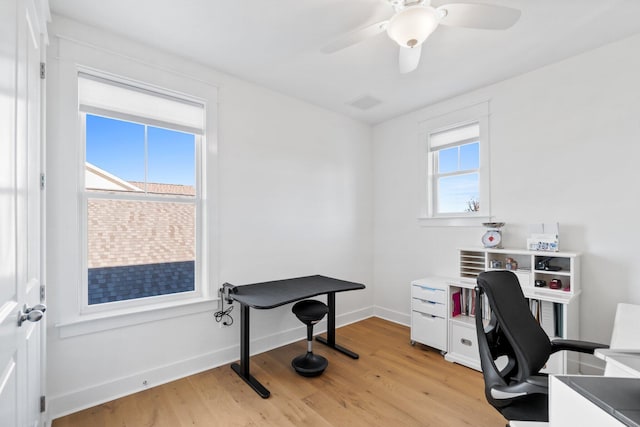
<point>409,58</point>
<point>483,16</point>
<point>355,37</point>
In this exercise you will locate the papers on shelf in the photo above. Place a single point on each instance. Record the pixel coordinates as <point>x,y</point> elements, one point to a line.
<point>546,314</point>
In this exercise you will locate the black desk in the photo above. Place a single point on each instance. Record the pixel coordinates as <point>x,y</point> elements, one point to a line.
<point>267,295</point>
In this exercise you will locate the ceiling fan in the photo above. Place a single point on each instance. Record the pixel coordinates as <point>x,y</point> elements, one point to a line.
<point>414,20</point>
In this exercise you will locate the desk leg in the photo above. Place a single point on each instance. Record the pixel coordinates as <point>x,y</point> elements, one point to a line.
<point>242,369</point>
<point>331,329</point>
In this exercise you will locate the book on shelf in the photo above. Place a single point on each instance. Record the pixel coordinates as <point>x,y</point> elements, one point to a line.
<point>557,311</point>
<point>472,309</point>
<point>456,304</point>
<point>463,302</point>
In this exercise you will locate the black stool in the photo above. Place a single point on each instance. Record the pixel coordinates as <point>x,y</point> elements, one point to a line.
<point>309,312</point>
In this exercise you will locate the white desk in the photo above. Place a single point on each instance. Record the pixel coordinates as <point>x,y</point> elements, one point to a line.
<point>612,400</point>
<point>620,363</point>
<point>583,400</point>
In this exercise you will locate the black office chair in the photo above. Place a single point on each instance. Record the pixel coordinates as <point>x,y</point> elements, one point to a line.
<point>310,312</point>
<point>518,391</point>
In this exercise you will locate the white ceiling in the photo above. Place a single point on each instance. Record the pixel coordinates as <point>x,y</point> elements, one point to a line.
<point>276,44</point>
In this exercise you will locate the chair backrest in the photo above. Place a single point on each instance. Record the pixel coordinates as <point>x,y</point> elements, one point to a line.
<point>530,345</point>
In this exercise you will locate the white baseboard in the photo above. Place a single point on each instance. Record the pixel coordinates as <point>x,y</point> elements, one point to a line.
<point>80,399</point>
<point>77,400</point>
<point>392,315</point>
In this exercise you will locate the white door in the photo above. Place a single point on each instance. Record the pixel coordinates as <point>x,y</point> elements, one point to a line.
<point>21,346</point>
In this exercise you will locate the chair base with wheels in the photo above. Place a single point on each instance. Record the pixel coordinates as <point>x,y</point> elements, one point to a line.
<point>310,312</point>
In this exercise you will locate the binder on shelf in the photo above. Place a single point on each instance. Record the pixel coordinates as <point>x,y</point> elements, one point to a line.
<point>456,304</point>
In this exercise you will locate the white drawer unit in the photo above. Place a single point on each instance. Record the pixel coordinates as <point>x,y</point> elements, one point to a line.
<point>429,330</point>
<point>463,344</point>
<point>429,312</point>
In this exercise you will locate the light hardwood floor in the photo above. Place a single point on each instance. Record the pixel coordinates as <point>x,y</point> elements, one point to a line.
<point>392,384</point>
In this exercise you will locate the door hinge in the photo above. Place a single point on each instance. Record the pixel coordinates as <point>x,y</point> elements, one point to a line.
<point>43,293</point>
<point>43,403</point>
<point>42,181</point>
<point>43,70</point>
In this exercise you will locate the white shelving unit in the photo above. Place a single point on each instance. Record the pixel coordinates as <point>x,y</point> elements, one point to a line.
<point>562,304</point>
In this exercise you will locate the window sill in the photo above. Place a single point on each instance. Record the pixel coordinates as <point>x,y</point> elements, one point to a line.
<point>87,324</point>
<point>475,221</point>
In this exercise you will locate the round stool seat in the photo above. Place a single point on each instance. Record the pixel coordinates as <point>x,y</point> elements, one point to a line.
<point>310,311</point>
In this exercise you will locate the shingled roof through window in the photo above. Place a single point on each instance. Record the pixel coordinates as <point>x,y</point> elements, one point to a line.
<point>140,248</point>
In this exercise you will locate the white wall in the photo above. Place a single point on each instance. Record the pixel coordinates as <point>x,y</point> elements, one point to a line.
<point>294,198</point>
<point>565,147</point>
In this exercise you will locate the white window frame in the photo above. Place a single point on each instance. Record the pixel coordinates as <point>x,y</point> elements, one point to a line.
<point>66,130</point>
<point>200,274</point>
<point>428,216</point>
<point>200,230</point>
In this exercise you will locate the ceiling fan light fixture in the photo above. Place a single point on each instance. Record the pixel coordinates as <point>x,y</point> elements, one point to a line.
<point>411,26</point>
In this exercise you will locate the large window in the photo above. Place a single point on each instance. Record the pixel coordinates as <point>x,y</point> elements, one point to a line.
<point>456,172</point>
<point>142,193</point>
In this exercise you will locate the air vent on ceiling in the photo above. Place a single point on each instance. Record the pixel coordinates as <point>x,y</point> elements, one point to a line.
<point>365,102</point>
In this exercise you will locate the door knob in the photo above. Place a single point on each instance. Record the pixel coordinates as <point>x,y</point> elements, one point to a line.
<point>32,314</point>
<point>39,307</point>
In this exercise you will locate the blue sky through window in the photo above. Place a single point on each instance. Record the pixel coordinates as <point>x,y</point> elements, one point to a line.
<point>117,147</point>
<point>457,190</point>
<point>459,158</point>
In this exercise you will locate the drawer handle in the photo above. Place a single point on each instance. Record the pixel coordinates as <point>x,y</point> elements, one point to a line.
<point>428,316</point>
<point>466,342</point>
<point>429,289</point>
<point>426,301</point>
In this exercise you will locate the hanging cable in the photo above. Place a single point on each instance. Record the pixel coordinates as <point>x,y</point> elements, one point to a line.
<point>223,315</point>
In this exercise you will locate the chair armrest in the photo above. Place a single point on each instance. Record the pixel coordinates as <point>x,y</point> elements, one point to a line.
<point>575,345</point>
<point>536,384</point>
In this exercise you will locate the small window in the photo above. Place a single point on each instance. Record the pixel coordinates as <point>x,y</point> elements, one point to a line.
<point>456,172</point>
<point>142,196</point>
<point>456,157</point>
